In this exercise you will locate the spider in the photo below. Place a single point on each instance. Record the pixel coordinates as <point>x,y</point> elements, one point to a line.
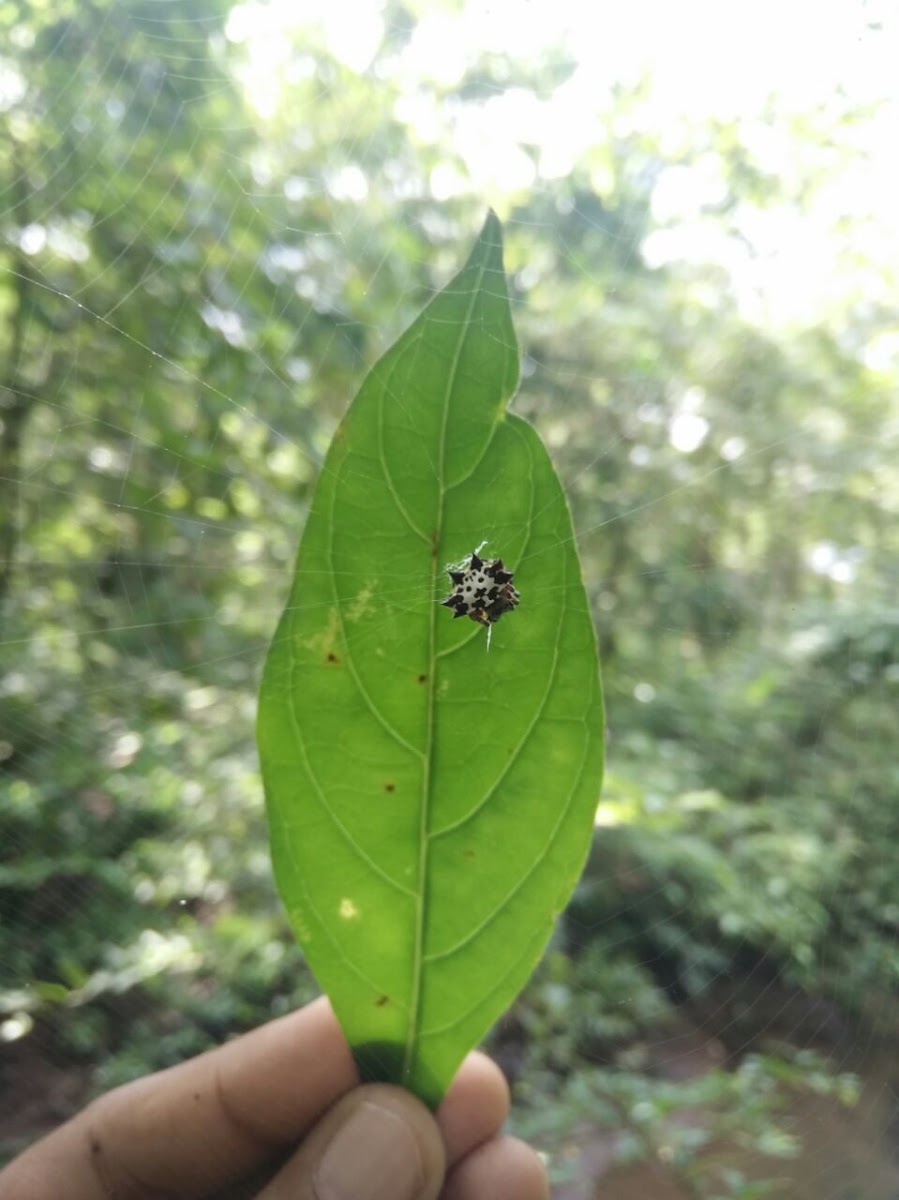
<point>482,591</point>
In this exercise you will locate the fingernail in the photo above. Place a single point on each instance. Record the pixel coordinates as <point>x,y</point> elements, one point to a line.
<point>374,1156</point>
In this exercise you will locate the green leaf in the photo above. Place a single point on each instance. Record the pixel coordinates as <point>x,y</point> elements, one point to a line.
<point>430,797</point>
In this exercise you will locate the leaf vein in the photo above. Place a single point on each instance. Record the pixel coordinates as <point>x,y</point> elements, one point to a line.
<point>513,757</point>
<point>511,894</point>
<point>350,663</point>
<point>412,1037</point>
<point>322,798</point>
<point>383,458</point>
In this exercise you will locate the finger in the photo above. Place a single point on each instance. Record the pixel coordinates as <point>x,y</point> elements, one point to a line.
<point>378,1143</point>
<point>192,1128</point>
<point>472,1112</point>
<point>502,1169</point>
<point>474,1108</point>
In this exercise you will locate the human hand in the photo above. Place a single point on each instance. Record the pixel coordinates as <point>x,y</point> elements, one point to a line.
<point>279,1114</point>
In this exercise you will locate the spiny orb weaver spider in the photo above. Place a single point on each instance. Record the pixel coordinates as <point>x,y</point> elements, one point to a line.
<point>483,591</point>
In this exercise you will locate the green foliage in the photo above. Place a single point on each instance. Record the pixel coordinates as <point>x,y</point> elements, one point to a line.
<point>694,1130</point>
<point>431,804</point>
<point>763,871</point>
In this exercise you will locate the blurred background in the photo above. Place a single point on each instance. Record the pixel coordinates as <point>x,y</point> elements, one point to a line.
<point>214,218</point>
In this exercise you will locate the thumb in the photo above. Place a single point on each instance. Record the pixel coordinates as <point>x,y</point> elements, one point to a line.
<point>377,1143</point>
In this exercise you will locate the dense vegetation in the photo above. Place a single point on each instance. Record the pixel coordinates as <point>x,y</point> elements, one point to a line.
<point>190,294</point>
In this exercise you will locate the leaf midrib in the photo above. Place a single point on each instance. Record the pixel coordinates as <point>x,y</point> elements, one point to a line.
<point>424,822</point>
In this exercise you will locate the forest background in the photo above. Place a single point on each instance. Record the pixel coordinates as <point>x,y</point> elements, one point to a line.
<point>214,218</point>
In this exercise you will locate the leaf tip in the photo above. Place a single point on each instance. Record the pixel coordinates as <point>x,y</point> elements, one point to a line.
<point>492,230</point>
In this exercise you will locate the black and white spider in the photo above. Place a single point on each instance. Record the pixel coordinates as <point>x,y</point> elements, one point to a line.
<point>482,591</point>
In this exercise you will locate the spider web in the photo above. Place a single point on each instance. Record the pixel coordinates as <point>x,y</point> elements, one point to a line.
<point>237,215</point>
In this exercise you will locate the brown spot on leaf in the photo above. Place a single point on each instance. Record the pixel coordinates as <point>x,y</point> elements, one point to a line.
<point>389,787</point>
<point>332,657</point>
<point>422,679</point>
<point>470,853</point>
<point>382,1000</point>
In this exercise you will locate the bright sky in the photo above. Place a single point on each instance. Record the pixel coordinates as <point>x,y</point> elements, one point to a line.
<point>703,57</point>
